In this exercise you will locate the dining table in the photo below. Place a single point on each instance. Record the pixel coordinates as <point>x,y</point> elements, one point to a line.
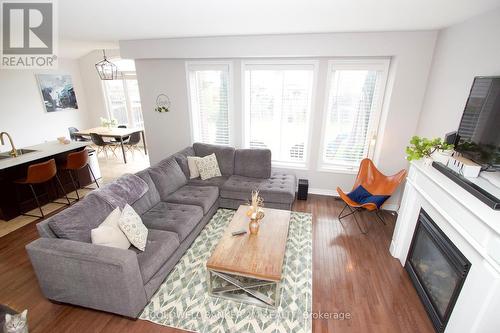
<point>116,133</point>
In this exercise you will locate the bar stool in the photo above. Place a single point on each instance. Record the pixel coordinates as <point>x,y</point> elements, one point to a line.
<point>74,162</point>
<point>41,173</point>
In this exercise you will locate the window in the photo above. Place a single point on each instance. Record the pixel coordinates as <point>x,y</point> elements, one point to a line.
<point>122,95</point>
<point>353,107</point>
<point>209,96</point>
<point>277,107</point>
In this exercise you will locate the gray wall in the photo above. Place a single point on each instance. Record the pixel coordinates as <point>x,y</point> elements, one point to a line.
<point>93,85</point>
<point>22,110</point>
<point>463,51</point>
<point>160,66</point>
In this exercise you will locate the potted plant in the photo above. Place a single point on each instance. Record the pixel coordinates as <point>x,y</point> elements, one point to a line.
<point>429,149</point>
<point>108,122</point>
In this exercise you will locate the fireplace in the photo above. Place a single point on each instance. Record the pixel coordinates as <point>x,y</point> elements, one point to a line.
<point>437,269</point>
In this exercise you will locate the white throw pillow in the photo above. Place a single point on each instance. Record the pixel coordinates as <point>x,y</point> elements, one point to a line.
<point>108,233</point>
<point>193,168</point>
<point>208,167</point>
<point>131,224</point>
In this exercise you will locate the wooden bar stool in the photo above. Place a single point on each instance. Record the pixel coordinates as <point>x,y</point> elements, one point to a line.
<point>41,173</point>
<point>74,162</point>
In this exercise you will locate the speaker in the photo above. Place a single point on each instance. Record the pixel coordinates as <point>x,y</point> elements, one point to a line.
<point>451,138</point>
<point>303,188</point>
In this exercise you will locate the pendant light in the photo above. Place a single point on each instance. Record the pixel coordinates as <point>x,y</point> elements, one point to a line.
<point>106,69</point>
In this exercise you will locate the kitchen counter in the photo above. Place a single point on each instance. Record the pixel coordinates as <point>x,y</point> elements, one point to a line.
<point>17,198</point>
<point>43,150</point>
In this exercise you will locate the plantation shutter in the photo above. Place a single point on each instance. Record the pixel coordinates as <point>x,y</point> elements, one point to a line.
<point>209,97</point>
<point>354,103</point>
<point>277,109</point>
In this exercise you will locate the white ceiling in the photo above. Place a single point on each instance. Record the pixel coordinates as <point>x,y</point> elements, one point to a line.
<point>113,20</point>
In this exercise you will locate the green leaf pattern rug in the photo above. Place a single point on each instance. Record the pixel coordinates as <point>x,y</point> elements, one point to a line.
<point>183,302</point>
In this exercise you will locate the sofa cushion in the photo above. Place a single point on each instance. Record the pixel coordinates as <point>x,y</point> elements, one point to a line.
<point>168,177</point>
<point>181,158</point>
<point>280,188</point>
<point>255,163</point>
<point>215,181</point>
<point>181,219</point>
<point>127,189</point>
<point>150,198</point>
<point>202,196</point>
<point>159,247</point>
<point>225,156</point>
<point>76,221</point>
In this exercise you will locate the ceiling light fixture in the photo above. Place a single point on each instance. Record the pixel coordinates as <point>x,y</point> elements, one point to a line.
<point>106,69</point>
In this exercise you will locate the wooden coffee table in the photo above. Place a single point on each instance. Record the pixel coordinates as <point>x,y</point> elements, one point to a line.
<point>242,265</point>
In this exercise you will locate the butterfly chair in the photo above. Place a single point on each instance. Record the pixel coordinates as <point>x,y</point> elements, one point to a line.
<point>371,189</point>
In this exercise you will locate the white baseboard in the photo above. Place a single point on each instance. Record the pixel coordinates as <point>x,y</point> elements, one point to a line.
<point>322,191</point>
<point>333,193</point>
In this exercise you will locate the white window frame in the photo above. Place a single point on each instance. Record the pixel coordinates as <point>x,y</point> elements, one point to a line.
<point>211,65</point>
<point>123,77</point>
<point>374,127</point>
<point>245,119</point>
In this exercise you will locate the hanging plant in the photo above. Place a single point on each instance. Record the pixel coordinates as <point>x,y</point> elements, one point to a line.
<point>162,103</point>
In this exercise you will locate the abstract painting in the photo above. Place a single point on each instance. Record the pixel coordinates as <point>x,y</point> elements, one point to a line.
<point>57,92</point>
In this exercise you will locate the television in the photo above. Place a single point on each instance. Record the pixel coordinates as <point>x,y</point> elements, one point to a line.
<point>478,136</point>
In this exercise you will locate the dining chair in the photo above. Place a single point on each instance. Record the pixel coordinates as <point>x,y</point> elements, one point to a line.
<point>101,145</point>
<point>125,138</point>
<point>75,137</point>
<point>133,142</point>
<point>370,190</point>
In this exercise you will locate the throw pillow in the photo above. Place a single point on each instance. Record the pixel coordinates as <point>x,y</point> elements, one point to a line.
<point>362,196</point>
<point>131,225</point>
<point>208,167</point>
<point>108,233</point>
<point>193,169</point>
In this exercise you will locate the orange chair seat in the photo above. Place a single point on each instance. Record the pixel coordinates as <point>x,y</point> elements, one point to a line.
<point>374,182</point>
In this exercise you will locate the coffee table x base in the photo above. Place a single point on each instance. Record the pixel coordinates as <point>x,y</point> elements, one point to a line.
<point>250,294</point>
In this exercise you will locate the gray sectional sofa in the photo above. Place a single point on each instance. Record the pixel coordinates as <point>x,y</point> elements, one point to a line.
<point>174,208</point>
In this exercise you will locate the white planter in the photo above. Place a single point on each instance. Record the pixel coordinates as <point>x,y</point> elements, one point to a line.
<point>442,156</point>
<point>427,161</point>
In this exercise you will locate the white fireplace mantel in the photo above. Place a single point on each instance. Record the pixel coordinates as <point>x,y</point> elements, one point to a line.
<point>472,226</point>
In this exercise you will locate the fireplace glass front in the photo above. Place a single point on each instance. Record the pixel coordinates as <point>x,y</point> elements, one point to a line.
<point>437,269</point>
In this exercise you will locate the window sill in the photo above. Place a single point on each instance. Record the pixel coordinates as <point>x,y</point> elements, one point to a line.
<point>284,165</point>
<point>333,169</point>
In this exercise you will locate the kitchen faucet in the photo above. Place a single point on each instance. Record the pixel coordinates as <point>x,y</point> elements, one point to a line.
<point>13,152</point>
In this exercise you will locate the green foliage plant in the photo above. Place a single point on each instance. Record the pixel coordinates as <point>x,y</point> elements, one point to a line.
<point>423,147</point>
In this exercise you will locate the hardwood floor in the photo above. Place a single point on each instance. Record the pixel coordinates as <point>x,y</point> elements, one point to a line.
<point>353,274</point>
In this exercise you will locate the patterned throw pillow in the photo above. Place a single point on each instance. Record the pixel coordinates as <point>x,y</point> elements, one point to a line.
<point>208,167</point>
<point>132,226</point>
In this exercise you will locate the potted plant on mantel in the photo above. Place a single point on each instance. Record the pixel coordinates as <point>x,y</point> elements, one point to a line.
<point>428,149</point>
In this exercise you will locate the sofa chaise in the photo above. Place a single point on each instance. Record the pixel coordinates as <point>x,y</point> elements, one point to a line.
<point>174,208</point>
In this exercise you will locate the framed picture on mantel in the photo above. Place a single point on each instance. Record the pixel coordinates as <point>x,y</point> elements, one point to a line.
<point>57,92</point>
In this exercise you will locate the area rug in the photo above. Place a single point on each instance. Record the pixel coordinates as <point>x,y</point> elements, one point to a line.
<point>183,301</point>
